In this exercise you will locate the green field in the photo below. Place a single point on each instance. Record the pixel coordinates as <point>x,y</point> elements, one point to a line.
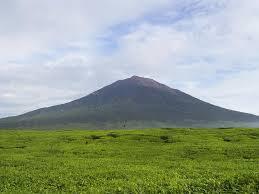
<point>130,161</point>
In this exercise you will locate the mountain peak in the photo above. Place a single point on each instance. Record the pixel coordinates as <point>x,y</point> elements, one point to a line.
<point>144,82</point>
<point>135,77</point>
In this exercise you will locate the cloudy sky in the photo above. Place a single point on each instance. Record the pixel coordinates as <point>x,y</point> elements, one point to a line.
<point>54,51</point>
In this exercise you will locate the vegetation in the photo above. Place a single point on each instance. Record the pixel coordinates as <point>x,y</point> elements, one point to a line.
<point>130,161</point>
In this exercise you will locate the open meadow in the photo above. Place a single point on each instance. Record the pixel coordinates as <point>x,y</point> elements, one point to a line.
<point>130,161</point>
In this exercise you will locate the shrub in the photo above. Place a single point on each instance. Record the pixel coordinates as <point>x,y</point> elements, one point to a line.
<point>94,137</point>
<point>227,139</point>
<point>164,138</point>
<point>114,135</point>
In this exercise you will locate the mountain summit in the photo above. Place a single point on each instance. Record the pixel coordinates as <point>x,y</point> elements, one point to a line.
<point>135,102</point>
<point>143,81</point>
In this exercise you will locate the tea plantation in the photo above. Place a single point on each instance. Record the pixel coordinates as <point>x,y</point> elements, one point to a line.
<point>130,161</point>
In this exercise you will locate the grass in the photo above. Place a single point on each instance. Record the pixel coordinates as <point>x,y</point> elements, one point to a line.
<point>130,161</point>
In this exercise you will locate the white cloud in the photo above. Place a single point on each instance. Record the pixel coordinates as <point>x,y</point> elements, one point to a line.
<point>239,92</point>
<point>50,50</point>
<point>28,27</point>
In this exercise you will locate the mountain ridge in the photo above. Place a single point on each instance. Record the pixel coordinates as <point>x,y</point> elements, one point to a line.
<point>138,100</point>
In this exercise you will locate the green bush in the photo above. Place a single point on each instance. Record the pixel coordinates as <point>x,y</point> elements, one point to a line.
<point>114,135</point>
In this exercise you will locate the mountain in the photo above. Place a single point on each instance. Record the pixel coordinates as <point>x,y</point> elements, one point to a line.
<point>135,102</point>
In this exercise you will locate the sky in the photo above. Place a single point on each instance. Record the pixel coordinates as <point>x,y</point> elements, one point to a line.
<point>52,52</point>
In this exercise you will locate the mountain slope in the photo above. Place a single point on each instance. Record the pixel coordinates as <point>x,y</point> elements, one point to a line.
<point>133,102</point>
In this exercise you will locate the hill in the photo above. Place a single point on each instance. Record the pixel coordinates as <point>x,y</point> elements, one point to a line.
<point>135,102</point>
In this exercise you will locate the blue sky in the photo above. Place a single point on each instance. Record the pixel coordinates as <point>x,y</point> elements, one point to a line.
<point>52,54</point>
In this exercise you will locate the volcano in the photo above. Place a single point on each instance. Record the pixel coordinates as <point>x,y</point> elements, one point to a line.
<point>135,102</point>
